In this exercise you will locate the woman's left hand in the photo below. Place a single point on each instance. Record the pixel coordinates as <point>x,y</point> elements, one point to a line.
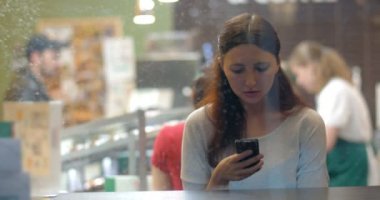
<point>232,168</point>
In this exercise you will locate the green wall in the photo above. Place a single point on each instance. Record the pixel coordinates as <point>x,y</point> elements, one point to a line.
<point>18,19</point>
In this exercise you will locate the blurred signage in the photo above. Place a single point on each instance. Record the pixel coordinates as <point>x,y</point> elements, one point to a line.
<point>120,74</point>
<point>38,126</point>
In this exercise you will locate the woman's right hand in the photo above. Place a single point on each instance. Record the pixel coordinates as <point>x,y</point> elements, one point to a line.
<point>232,168</point>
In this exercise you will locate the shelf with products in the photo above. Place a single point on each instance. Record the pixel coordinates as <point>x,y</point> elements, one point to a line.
<point>126,140</point>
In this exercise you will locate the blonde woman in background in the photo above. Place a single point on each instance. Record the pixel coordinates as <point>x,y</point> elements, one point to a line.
<point>323,72</point>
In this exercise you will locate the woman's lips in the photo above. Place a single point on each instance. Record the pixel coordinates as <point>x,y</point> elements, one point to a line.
<point>251,93</point>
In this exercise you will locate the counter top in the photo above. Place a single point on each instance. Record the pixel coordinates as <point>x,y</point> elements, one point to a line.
<point>344,193</point>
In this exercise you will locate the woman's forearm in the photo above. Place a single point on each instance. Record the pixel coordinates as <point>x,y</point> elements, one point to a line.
<point>331,137</point>
<point>160,180</point>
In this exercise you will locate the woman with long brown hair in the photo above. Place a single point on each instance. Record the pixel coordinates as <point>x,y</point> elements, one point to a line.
<point>250,97</point>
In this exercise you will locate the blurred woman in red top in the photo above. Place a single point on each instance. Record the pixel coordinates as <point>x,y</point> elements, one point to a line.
<point>166,159</point>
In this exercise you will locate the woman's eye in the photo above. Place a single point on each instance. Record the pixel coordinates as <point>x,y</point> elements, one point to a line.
<point>261,67</point>
<point>237,71</point>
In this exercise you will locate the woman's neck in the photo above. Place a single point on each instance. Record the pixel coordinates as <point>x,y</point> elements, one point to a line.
<point>261,120</point>
<point>259,109</point>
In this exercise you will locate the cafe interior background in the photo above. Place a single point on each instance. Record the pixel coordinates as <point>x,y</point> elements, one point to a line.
<point>121,78</point>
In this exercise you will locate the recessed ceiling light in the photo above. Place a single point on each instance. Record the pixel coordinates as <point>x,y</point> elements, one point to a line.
<point>144,19</point>
<point>235,2</point>
<point>167,1</point>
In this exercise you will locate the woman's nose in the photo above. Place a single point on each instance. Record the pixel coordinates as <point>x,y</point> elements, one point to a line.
<point>250,79</point>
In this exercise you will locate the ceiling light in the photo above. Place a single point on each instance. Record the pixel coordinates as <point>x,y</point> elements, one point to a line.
<point>235,2</point>
<point>167,1</point>
<point>145,5</point>
<point>144,19</point>
<point>144,12</point>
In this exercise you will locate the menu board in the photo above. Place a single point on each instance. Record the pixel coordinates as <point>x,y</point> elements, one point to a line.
<point>37,126</point>
<point>119,71</point>
<point>81,79</point>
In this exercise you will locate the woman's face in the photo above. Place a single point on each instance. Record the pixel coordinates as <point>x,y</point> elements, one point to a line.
<point>250,72</point>
<point>305,76</point>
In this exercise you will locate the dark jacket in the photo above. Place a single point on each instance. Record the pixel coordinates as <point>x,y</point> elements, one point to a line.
<point>26,87</point>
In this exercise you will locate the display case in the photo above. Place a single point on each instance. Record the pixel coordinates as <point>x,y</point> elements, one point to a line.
<point>122,145</point>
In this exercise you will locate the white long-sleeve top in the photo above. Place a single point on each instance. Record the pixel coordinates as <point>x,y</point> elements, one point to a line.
<point>294,154</point>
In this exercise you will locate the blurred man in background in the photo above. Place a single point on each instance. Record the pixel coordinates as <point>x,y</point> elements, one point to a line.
<point>28,83</point>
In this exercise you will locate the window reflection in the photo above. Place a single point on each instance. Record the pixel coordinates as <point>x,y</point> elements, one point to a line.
<point>109,67</point>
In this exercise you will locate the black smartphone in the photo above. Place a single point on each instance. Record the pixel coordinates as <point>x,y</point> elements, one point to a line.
<point>248,144</point>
